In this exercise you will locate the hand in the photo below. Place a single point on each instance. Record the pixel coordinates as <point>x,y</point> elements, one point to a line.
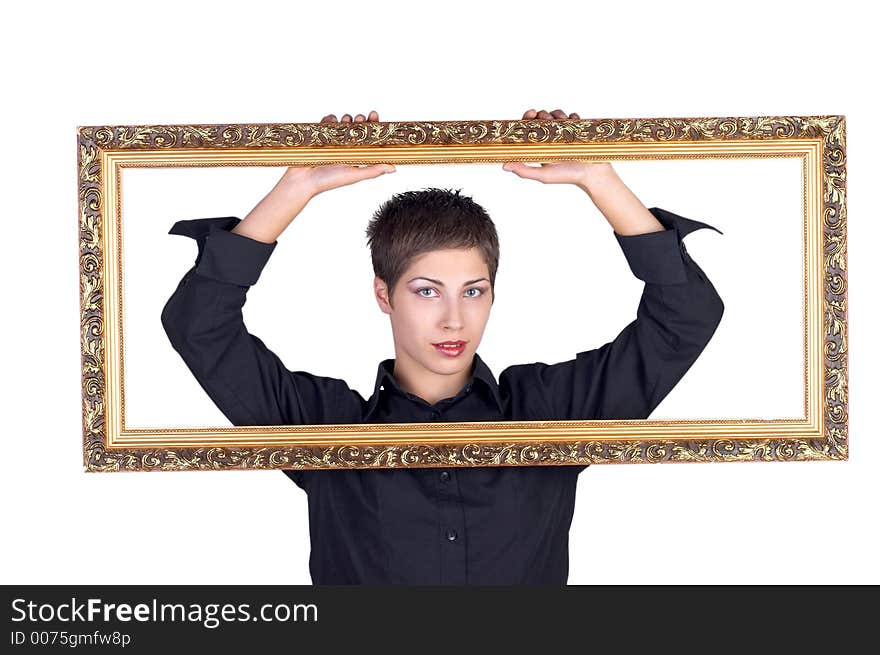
<point>332,176</point>
<point>558,172</point>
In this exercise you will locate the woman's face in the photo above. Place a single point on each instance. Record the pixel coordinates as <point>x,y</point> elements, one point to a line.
<point>443,296</point>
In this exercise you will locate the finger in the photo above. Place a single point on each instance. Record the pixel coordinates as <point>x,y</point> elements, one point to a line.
<point>382,167</point>
<point>525,171</point>
<point>329,118</point>
<point>360,118</point>
<point>374,170</point>
<point>346,118</point>
<point>573,115</point>
<point>518,167</point>
<point>374,116</point>
<point>544,114</point>
<point>558,113</point>
<point>530,113</point>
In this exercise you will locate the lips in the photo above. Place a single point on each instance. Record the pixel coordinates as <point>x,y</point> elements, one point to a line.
<point>450,348</point>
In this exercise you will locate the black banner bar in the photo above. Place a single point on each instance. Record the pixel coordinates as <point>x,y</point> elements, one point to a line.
<point>165,619</point>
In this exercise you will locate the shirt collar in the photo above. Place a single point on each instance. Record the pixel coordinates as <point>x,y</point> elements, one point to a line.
<point>385,377</point>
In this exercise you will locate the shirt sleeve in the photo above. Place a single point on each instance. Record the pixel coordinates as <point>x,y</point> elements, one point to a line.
<point>204,323</point>
<point>627,378</point>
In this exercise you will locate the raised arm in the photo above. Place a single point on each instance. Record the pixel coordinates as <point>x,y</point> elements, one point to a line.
<point>677,315</point>
<point>204,322</point>
<point>628,377</point>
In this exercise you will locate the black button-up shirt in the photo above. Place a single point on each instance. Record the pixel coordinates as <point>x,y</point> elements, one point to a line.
<point>483,525</point>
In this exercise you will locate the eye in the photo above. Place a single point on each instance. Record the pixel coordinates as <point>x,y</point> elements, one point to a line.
<point>482,291</point>
<point>419,291</point>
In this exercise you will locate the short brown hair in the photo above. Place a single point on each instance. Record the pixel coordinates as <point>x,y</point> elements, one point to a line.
<point>412,223</point>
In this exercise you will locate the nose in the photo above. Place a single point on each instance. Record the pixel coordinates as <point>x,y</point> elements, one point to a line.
<point>452,316</point>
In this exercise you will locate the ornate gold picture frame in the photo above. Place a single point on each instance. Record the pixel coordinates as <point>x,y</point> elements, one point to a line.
<point>817,142</point>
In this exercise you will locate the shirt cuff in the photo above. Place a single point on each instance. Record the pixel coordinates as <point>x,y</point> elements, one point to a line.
<point>659,257</point>
<point>225,255</point>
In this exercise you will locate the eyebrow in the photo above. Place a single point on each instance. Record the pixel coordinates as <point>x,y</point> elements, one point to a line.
<point>439,283</point>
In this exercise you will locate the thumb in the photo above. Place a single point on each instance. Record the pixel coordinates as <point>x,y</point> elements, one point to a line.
<point>522,169</point>
<point>378,169</point>
<point>374,170</point>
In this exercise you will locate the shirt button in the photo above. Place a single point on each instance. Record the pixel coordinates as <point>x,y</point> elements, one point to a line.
<point>435,414</point>
<point>444,476</point>
<point>451,534</point>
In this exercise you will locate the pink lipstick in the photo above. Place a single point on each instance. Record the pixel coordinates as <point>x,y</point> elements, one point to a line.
<point>450,348</point>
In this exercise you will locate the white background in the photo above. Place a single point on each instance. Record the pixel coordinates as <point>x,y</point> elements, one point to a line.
<point>267,62</point>
<point>563,284</point>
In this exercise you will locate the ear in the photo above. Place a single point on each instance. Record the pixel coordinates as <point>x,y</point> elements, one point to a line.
<point>380,289</point>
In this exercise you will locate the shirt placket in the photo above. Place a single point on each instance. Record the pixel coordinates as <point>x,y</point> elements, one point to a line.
<point>451,526</point>
<point>452,533</point>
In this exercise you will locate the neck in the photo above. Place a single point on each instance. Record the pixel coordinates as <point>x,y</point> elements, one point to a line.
<point>427,385</point>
